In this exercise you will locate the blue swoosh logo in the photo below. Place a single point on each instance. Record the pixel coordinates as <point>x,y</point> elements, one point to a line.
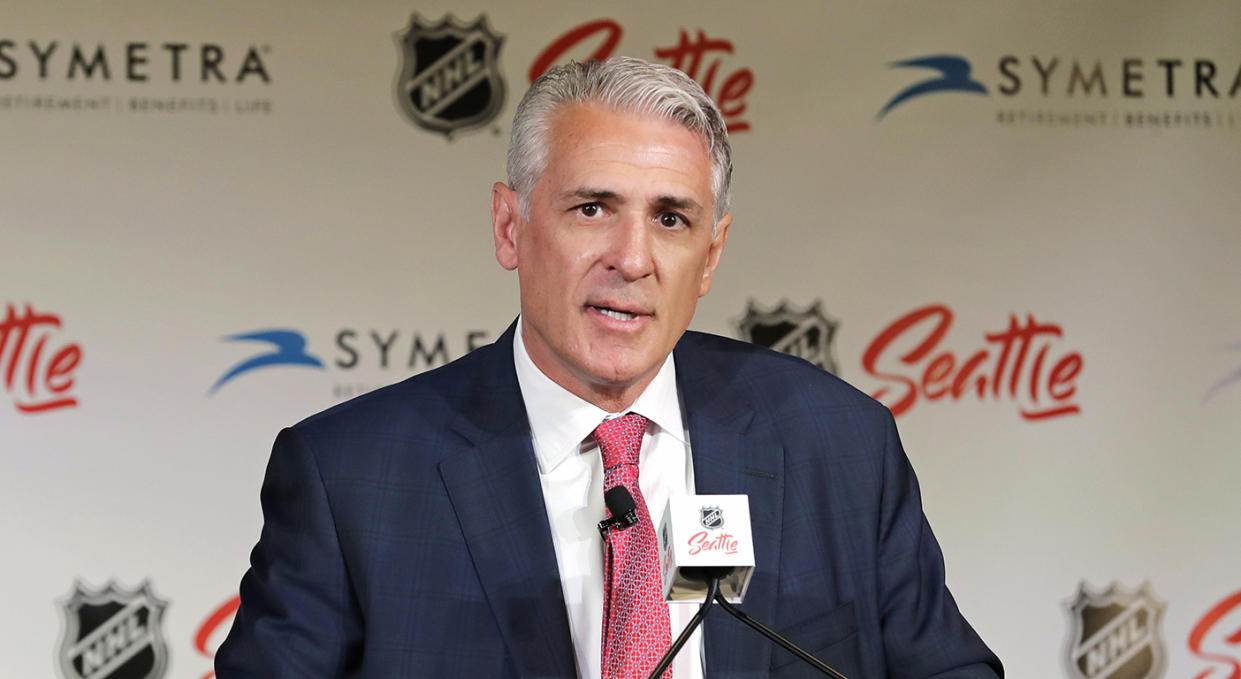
<point>954,77</point>
<point>290,349</point>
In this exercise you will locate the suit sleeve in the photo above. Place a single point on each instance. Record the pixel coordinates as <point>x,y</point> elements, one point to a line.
<point>298,614</point>
<point>924,634</point>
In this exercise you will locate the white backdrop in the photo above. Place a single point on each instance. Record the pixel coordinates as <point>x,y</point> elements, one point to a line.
<point>156,217</point>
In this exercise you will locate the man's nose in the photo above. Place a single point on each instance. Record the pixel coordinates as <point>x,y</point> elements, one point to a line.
<point>630,250</point>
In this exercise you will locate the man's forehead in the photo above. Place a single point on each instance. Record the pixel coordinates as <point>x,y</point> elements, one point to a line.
<point>572,119</point>
<point>590,148</point>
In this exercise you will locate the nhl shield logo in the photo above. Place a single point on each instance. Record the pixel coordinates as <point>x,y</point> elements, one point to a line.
<point>450,78</point>
<point>1114,634</point>
<point>806,334</point>
<point>711,517</point>
<point>112,633</point>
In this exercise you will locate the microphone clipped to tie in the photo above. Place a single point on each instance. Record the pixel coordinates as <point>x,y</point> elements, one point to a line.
<point>623,510</point>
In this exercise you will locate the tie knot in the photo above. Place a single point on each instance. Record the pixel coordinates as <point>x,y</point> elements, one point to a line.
<point>620,439</point>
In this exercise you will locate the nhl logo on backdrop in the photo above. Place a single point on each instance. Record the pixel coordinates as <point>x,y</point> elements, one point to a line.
<point>450,76</point>
<point>711,518</point>
<point>112,633</point>
<point>805,334</point>
<point>1114,634</point>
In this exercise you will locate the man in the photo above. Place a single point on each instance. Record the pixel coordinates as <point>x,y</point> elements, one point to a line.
<point>444,526</point>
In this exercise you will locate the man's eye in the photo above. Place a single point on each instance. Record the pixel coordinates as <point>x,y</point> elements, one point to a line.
<point>589,209</point>
<point>671,220</point>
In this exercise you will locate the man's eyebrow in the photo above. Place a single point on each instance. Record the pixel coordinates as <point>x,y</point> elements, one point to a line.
<point>587,193</point>
<point>678,203</point>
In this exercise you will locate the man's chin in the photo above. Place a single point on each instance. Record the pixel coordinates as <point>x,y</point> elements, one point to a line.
<point>615,376</point>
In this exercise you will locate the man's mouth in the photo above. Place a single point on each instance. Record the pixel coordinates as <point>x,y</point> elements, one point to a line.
<point>615,313</point>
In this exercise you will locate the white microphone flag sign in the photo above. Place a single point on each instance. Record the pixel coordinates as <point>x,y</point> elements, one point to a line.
<point>706,530</point>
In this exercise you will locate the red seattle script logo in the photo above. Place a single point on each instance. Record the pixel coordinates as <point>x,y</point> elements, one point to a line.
<point>35,384</point>
<point>687,54</point>
<point>214,622</point>
<point>1211,622</point>
<point>724,542</point>
<point>1001,374</point>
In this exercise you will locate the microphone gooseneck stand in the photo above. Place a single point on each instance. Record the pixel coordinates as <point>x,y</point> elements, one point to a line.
<point>774,636</point>
<point>623,514</point>
<point>714,595</point>
<point>713,589</point>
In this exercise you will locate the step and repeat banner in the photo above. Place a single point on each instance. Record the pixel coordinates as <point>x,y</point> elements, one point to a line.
<point>1015,224</point>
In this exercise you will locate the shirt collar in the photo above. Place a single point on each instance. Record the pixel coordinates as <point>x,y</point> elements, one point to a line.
<point>560,421</point>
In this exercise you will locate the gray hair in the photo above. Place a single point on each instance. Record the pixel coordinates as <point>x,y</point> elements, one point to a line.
<point>623,84</point>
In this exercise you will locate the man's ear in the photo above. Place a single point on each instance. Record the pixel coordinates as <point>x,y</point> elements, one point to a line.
<point>713,253</point>
<point>505,221</point>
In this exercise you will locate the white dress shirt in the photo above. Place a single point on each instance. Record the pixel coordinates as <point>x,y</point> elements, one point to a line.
<point>571,473</point>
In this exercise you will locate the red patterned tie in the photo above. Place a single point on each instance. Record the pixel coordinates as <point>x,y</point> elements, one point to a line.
<point>635,618</point>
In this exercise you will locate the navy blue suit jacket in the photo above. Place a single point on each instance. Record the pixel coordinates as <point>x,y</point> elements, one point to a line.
<point>405,533</point>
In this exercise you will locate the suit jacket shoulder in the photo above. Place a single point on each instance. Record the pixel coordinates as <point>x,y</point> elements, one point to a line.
<point>430,394</point>
<point>771,369</point>
<point>841,541</point>
<point>774,384</point>
<point>473,395</point>
<point>406,529</point>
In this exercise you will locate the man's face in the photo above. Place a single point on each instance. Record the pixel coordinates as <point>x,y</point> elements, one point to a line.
<point>616,252</point>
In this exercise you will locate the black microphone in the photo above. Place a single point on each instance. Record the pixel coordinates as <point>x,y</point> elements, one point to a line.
<point>623,509</point>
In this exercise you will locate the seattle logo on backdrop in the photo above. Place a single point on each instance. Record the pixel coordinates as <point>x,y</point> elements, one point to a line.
<point>699,55</point>
<point>112,633</point>
<point>1216,639</point>
<point>1050,91</point>
<point>38,375</point>
<point>1114,634</point>
<point>450,78</point>
<point>1015,364</point>
<point>355,349</point>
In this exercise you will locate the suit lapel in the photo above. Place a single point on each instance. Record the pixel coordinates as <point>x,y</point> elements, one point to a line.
<point>735,452</point>
<point>495,491</point>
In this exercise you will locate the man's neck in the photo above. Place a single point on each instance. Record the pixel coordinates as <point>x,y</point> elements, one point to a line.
<point>613,401</point>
